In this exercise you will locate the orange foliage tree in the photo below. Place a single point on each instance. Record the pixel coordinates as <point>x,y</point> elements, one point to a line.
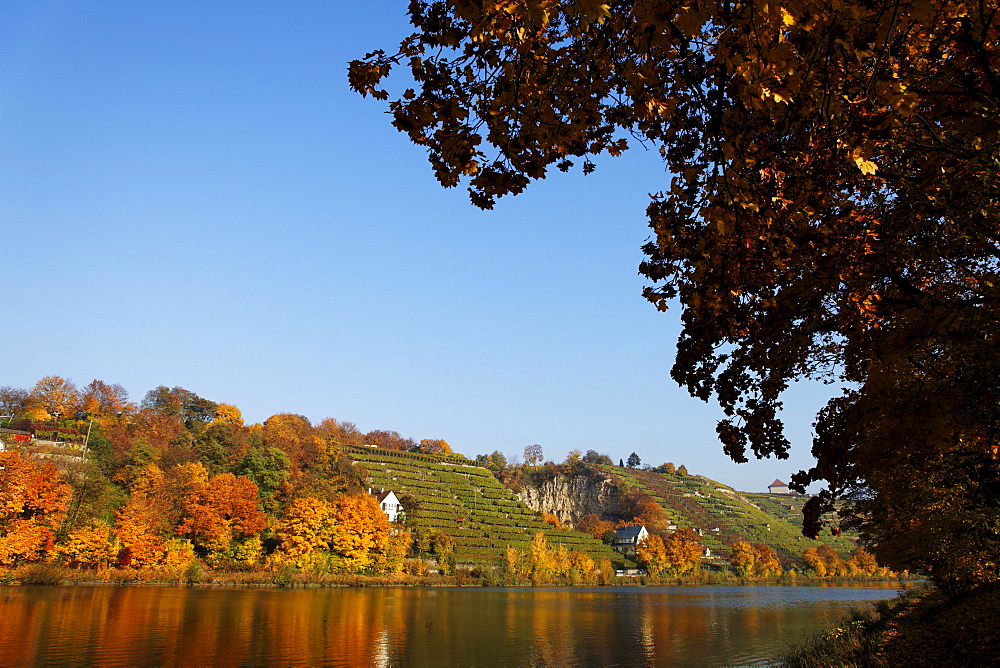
<point>224,519</point>
<point>142,526</point>
<point>294,435</point>
<point>595,526</point>
<point>33,501</point>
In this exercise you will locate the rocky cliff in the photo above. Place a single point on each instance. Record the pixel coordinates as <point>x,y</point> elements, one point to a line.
<point>571,498</point>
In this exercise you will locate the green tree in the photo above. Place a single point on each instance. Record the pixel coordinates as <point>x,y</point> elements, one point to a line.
<point>268,467</point>
<point>633,461</point>
<point>830,211</point>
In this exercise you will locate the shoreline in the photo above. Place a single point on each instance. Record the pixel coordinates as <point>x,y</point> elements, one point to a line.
<point>52,575</point>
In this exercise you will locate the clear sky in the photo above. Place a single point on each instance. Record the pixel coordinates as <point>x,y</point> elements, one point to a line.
<point>190,195</point>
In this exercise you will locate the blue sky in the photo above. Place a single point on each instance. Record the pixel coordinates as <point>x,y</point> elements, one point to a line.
<point>191,195</point>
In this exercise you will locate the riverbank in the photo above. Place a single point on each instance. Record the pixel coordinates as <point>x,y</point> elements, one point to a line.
<point>922,627</point>
<point>46,573</point>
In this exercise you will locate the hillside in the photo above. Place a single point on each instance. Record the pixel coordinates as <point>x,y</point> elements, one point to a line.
<point>722,515</point>
<point>457,497</point>
<point>463,500</point>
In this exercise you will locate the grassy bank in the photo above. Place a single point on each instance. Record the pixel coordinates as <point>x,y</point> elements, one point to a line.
<point>47,573</point>
<point>921,627</point>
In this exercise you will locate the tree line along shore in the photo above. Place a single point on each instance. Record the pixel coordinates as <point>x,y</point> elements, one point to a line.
<point>177,488</point>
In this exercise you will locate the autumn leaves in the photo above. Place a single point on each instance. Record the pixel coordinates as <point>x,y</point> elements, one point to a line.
<point>170,519</point>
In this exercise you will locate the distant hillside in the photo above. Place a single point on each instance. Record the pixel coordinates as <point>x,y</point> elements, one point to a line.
<point>460,498</point>
<point>723,515</point>
<point>463,500</point>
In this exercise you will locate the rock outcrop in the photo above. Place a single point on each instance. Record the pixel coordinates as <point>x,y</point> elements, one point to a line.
<point>571,498</point>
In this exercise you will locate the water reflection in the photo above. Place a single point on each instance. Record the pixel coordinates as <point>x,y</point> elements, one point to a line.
<point>627,626</point>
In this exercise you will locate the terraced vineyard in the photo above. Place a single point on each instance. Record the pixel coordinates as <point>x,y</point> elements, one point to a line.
<point>465,501</point>
<point>723,516</point>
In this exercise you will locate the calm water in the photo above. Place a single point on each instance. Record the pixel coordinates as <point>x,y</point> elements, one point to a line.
<point>625,626</point>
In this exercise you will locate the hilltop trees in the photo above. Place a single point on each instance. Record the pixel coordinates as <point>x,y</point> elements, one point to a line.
<point>533,455</point>
<point>831,210</point>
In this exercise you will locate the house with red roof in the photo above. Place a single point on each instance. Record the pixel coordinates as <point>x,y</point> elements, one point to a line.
<point>778,487</point>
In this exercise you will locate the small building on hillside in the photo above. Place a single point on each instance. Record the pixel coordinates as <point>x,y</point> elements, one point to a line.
<point>777,487</point>
<point>389,504</point>
<point>627,538</point>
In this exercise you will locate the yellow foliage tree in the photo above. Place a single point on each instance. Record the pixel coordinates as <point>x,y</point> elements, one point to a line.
<point>390,560</point>
<point>683,551</point>
<point>514,565</point>
<point>581,567</point>
<point>862,562</point>
<point>767,561</point>
<point>743,558</point>
<point>652,554</point>
<point>304,532</point>
<point>541,560</point>
<point>90,546</point>
<point>359,527</point>
<point>815,561</point>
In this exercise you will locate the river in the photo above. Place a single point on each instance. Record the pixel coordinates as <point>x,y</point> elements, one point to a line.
<point>605,626</point>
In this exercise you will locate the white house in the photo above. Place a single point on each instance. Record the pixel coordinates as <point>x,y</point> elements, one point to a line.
<point>389,504</point>
<point>627,538</point>
<point>777,487</point>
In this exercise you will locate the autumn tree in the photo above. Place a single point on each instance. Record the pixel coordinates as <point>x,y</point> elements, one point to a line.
<point>652,554</point>
<point>830,210</point>
<point>683,552</point>
<point>743,558</point>
<point>862,562</point>
<point>304,532</point>
<point>359,529</point>
<point>223,519</point>
<point>89,546</point>
<point>53,398</point>
<point>295,436</point>
<point>533,455</point>
<point>766,563</point>
<point>142,527</point>
<point>541,559</point>
<point>103,401</point>
<point>595,526</point>
<point>33,501</point>
<point>434,446</point>
<point>814,561</point>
